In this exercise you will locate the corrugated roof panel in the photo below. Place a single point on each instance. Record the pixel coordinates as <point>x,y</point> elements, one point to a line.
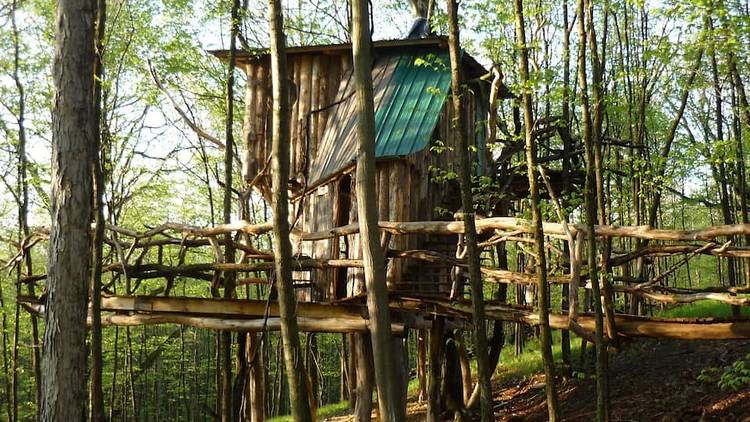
<point>409,90</point>
<point>406,121</point>
<point>338,146</point>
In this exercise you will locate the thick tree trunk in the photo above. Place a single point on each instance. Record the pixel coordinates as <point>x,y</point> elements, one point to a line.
<point>64,368</point>
<point>392,408</point>
<point>467,203</point>
<point>553,406</point>
<point>293,362</point>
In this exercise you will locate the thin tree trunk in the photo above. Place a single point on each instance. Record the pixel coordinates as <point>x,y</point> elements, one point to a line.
<point>229,277</point>
<point>115,367</point>
<point>725,200</point>
<point>64,369</point>
<point>23,216</point>
<point>422,364</point>
<point>565,334</point>
<point>597,89</point>
<point>392,407</point>
<point>363,406</point>
<point>257,381</point>
<point>437,340</point>
<point>293,362</point>
<point>742,113</point>
<point>97,388</point>
<point>467,203</point>
<point>241,381</point>
<point>602,393</point>
<point>667,147</point>
<point>351,364</point>
<point>553,406</point>
<point>6,363</point>
<point>16,335</point>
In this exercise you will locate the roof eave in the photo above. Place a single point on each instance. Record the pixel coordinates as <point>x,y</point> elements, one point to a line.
<point>261,53</point>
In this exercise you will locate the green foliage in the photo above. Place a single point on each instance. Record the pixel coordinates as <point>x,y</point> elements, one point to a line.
<point>703,309</point>
<point>327,411</point>
<point>734,377</point>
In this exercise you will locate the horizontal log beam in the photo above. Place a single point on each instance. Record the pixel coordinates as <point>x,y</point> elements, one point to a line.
<point>236,307</point>
<point>230,314</point>
<point>251,252</point>
<point>665,250</point>
<point>237,226</point>
<point>681,298</point>
<point>627,325</point>
<point>523,225</point>
<point>632,326</point>
<point>512,277</point>
<point>248,315</point>
<point>323,325</point>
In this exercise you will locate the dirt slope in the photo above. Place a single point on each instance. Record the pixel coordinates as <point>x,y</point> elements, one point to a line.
<point>651,381</point>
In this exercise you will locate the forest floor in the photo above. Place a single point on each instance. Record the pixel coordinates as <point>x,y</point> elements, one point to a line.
<point>650,381</point>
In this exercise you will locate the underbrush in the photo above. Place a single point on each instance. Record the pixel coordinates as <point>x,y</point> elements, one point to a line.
<point>529,362</point>
<point>327,411</point>
<point>703,309</point>
<point>732,377</point>
<point>511,367</point>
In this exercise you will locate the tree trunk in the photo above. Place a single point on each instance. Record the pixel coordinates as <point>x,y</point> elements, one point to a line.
<point>422,364</point>
<point>725,200</point>
<point>467,203</point>
<point>437,341</point>
<point>24,232</point>
<point>602,393</point>
<point>597,76</point>
<point>553,407</point>
<point>566,171</point>
<point>363,404</point>
<point>97,387</point>
<point>391,406</point>
<point>257,378</point>
<point>293,362</point>
<point>64,368</point>
<point>229,277</point>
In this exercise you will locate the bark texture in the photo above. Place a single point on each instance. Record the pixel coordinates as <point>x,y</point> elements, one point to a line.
<point>390,404</point>
<point>553,406</point>
<point>97,361</point>
<point>229,277</point>
<point>470,231</point>
<point>64,369</point>
<point>602,389</point>
<point>293,362</point>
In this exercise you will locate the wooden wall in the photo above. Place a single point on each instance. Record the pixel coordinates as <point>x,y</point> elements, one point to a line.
<point>316,80</point>
<point>404,186</point>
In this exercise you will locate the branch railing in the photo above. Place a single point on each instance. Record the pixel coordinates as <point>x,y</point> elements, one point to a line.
<point>125,242</point>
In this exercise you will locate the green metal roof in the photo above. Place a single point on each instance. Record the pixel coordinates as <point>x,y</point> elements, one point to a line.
<point>407,117</point>
<point>409,93</point>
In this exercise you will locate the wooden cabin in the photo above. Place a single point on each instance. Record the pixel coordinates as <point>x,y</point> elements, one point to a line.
<point>411,81</point>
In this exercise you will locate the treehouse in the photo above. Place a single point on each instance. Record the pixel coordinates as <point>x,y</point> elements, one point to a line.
<point>416,152</point>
